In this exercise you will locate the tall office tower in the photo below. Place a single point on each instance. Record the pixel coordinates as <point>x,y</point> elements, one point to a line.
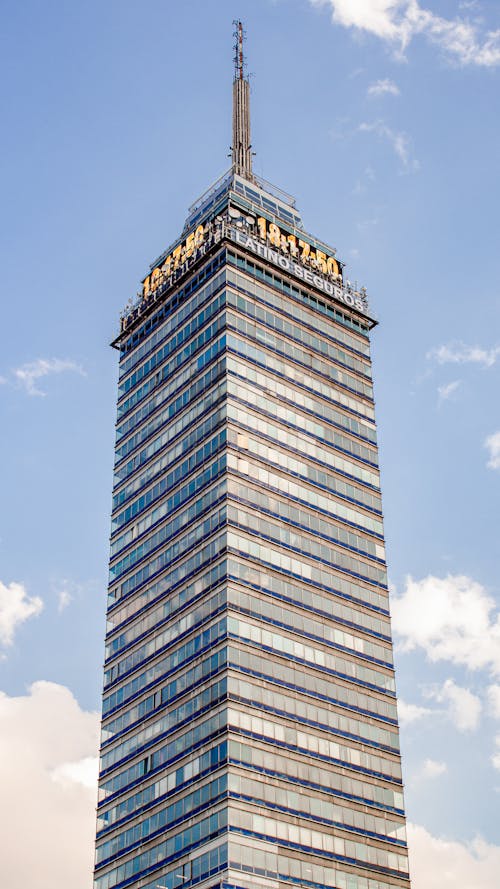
<point>249,734</point>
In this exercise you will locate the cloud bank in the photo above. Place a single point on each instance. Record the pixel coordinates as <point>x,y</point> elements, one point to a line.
<point>439,863</point>
<point>48,802</point>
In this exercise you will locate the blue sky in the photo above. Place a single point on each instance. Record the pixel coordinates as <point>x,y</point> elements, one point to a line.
<point>381,117</point>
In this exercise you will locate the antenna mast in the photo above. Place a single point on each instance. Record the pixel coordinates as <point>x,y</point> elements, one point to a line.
<point>241,151</point>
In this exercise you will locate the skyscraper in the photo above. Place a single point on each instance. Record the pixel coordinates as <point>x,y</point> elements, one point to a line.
<point>249,734</point>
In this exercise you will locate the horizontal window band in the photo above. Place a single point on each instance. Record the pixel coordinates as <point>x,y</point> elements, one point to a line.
<point>315,375</point>
<point>243,554</point>
<point>276,419</point>
<point>261,318</point>
<point>220,635</point>
<point>233,526</point>
<point>336,732</point>
<point>282,399</point>
<point>261,510</point>
<point>341,859</point>
<point>169,530</point>
<point>305,752</point>
<point>243,454</point>
<point>316,820</point>
<point>309,609</point>
<point>303,691</point>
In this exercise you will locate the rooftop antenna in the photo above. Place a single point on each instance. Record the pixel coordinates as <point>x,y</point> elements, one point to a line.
<point>241,149</point>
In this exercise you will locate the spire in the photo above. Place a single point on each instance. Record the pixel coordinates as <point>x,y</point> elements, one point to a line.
<point>241,148</point>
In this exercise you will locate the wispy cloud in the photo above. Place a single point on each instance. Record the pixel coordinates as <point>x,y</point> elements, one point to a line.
<point>28,375</point>
<point>448,390</point>
<point>63,600</point>
<point>495,759</point>
<point>398,22</point>
<point>399,141</point>
<point>383,88</point>
<point>492,444</point>
<point>16,607</point>
<point>367,177</point>
<point>363,224</point>
<point>432,769</point>
<point>461,353</point>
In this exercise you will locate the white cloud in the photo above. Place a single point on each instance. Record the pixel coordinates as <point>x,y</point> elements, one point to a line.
<point>464,708</point>
<point>397,22</point>
<point>432,769</point>
<point>15,608</point>
<point>493,696</point>
<point>367,177</point>
<point>50,797</point>
<point>492,443</point>
<point>461,353</point>
<point>448,390</point>
<point>409,713</point>
<point>452,619</point>
<point>367,223</point>
<point>383,88</point>
<point>399,142</point>
<point>63,600</point>
<point>84,771</point>
<point>28,375</point>
<point>439,863</point>
<point>495,759</point>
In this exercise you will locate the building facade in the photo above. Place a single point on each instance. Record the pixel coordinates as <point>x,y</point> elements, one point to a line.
<point>249,734</point>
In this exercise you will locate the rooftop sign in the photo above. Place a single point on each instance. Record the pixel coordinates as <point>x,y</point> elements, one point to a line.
<point>296,267</point>
<point>265,239</point>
